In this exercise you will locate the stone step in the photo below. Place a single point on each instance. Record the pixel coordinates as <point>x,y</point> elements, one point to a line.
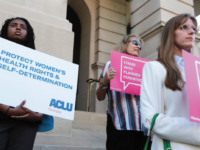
<point>89,121</point>
<point>86,132</point>
<point>79,137</point>
<point>49,147</point>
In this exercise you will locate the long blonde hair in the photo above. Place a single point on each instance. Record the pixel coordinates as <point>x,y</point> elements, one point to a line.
<point>122,44</point>
<point>174,79</point>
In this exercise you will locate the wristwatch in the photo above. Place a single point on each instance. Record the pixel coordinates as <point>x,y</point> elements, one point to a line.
<point>103,87</point>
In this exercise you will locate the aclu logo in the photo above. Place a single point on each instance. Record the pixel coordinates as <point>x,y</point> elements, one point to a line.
<point>61,105</point>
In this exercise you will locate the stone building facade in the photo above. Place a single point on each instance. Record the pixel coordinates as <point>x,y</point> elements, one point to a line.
<point>85,31</point>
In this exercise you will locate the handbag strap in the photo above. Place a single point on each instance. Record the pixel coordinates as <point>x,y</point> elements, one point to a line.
<point>166,143</point>
<point>152,123</point>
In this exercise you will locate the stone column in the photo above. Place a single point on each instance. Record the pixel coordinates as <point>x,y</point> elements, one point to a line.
<point>110,27</point>
<point>148,18</point>
<point>53,32</point>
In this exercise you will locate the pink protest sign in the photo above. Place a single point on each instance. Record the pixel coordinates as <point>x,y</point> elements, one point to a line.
<point>192,74</point>
<point>128,76</point>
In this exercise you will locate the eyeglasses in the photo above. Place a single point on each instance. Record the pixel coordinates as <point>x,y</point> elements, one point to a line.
<point>187,27</point>
<point>136,43</point>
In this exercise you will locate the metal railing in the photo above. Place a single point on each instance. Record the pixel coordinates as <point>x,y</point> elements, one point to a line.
<point>89,81</point>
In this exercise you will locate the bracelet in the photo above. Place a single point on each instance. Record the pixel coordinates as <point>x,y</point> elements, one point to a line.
<point>7,110</point>
<point>102,86</point>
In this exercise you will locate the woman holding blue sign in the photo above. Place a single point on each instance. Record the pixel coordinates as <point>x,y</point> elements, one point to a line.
<point>124,128</point>
<point>163,89</point>
<point>18,125</point>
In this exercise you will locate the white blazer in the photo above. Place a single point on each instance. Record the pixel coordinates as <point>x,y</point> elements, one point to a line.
<point>173,121</point>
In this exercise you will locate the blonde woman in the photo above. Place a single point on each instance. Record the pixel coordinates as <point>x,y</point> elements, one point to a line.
<point>124,128</point>
<point>164,91</point>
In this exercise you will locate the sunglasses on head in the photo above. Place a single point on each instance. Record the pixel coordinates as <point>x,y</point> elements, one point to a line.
<point>136,43</point>
<point>187,27</point>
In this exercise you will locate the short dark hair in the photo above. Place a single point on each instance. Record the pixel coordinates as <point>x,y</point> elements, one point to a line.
<point>30,38</point>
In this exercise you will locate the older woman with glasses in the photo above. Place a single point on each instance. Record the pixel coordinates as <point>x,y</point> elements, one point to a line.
<point>124,128</point>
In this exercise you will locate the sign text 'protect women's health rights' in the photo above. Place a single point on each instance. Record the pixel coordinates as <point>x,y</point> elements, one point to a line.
<point>128,76</point>
<point>48,84</point>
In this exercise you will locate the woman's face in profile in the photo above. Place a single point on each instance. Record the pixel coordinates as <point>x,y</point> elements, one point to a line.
<point>184,35</point>
<point>133,47</point>
<point>17,30</point>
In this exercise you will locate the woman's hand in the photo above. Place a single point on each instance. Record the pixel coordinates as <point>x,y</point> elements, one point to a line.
<point>17,111</point>
<point>101,93</point>
<point>29,116</point>
<point>110,74</point>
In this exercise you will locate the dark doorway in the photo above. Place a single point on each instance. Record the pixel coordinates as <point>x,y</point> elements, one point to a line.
<point>76,28</point>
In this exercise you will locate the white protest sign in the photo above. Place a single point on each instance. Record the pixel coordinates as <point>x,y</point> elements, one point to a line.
<point>48,84</point>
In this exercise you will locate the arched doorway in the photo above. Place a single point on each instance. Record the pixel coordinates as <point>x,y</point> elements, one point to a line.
<point>78,14</point>
<point>76,28</point>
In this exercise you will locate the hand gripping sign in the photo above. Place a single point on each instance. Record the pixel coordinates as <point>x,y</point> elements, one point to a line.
<point>128,76</point>
<point>48,84</point>
<point>192,74</point>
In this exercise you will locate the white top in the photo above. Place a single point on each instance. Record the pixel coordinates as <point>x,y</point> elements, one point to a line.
<point>173,121</point>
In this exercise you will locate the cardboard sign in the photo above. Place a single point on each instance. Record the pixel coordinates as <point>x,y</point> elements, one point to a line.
<point>48,84</point>
<point>128,76</point>
<point>192,74</point>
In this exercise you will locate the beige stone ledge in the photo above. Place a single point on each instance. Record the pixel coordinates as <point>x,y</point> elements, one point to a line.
<point>150,48</point>
<point>136,4</point>
<point>113,6</point>
<point>149,8</point>
<point>97,65</point>
<point>145,11</point>
<point>34,15</point>
<point>108,36</point>
<point>123,2</point>
<point>147,25</point>
<point>176,6</point>
<point>166,15</point>
<point>160,17</point>
<point>111,15</point>
<point>53,34</point>
<point>55,8</point>
<point>111,26</point>
<point>103,57</point>
<point>104,46</point>
<point>189,2</point>
<point>59,43</point>
<point>99,70</point>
